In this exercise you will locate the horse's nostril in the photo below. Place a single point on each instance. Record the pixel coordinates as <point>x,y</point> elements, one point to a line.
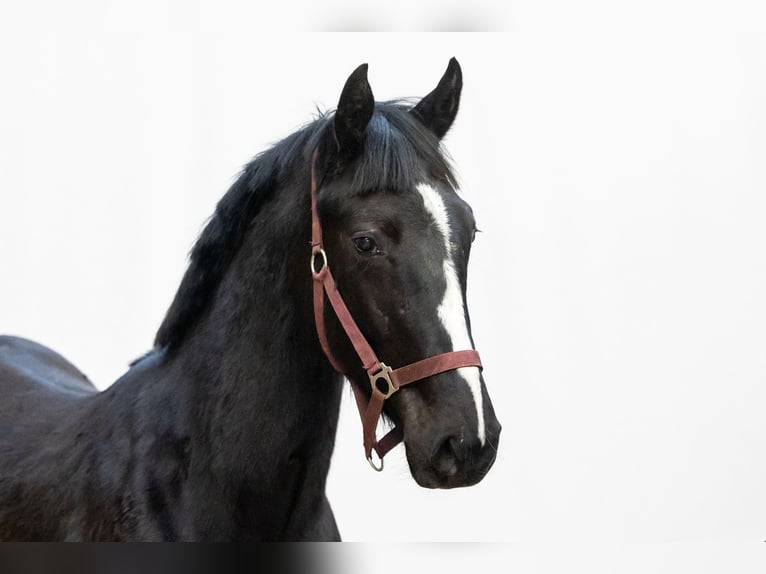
<point>457,461</point>
<point>447,456</point>
<point>457,446</point>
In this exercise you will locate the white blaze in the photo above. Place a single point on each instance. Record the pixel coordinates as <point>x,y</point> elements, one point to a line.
<point>451,310</point>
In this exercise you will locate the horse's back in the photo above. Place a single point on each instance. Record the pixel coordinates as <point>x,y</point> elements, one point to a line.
<point>36,384</point>
<point>24,363</point>
<point>44,397</point>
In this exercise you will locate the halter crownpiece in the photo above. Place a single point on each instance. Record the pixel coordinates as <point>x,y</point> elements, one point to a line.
<point>384,380</point>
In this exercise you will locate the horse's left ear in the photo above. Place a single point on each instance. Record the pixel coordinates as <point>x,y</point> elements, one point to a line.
<point>438,109</point>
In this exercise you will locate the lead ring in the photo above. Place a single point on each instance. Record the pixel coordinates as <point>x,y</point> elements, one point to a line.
<point>372,464</point>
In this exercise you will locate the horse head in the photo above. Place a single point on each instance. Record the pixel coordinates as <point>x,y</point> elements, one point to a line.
<point>397,236</point>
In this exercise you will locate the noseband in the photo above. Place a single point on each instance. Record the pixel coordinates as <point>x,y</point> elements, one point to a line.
<point>384,381</point>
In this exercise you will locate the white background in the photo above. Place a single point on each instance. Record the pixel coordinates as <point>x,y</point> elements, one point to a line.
<point>615,160</point>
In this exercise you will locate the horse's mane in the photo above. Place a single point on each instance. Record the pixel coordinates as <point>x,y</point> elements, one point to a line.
<point>397,148</point>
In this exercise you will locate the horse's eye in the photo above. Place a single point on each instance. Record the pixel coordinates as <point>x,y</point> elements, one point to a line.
<point>364,244</point>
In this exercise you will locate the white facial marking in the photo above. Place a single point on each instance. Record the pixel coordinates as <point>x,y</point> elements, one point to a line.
<point>451,310</point>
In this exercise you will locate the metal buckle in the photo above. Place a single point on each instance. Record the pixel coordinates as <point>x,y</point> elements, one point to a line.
<point>383,376</point>
<point>313,259</point>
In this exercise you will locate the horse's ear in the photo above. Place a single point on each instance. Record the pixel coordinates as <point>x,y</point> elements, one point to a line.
<point>438,109</point>
<point>354,112</point>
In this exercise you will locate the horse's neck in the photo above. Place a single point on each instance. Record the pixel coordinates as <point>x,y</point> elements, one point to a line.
<point>248,394</point>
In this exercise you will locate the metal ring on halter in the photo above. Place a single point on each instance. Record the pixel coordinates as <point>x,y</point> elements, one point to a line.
<point>372,464</point>
<point>324,261</point>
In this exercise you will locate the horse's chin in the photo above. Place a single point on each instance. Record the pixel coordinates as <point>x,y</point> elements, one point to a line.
<point>427,478</point>
<point>427,475</point>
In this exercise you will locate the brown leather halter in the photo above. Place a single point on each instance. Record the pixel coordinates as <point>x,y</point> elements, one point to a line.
<point>384,381</point>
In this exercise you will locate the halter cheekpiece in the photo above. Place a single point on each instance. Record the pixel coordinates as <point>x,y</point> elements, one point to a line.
<point>384,380</point>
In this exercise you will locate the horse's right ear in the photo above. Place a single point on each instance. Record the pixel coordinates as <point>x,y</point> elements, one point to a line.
<point>354,112</point>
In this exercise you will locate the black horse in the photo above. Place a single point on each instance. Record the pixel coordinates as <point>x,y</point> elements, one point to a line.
<point>224,431</point>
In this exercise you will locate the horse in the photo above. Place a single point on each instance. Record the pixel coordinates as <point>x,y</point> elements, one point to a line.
<point>344,241</point>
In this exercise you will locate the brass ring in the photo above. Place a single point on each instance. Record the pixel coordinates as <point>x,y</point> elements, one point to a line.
<point>324,261</point>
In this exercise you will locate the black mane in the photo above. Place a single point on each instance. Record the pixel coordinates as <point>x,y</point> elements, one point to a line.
<point>397,150</point>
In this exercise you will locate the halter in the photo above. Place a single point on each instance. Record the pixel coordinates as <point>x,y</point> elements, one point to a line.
<point>384,380</point>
